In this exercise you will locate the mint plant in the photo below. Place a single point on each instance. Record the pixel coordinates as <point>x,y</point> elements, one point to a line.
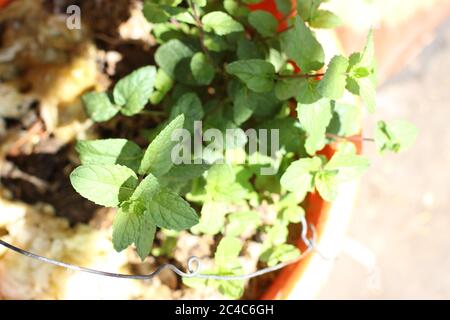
<point>230,67</point>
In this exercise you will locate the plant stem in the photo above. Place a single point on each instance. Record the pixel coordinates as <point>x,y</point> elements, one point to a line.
<point>294,76</point>
<point>352,138</point>
<point>196,17</point>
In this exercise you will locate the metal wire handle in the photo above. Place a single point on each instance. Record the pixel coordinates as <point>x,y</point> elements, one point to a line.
<point>194,264</point>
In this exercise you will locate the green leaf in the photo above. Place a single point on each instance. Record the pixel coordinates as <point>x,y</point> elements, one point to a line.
<point>277,235</point>
<point>348,165</point>
<point>133,225</point>
<point>221,184</point>
<point>308,92</point>
<point>202,69</point>
<point>157,159</point>
<point>257,74</point>
<point>284,6</point>
<point>154,13</point>
<point>227,250</point>
<point>170,54</point>
<point>146,190</point>
<point>190,106</point>
<point>169,211</point>
<point>299,176</point>
<point>106,185</point>
<point>346,120</point>
<point>327,185</point>
<point>134,91</point>
<point>396,136</point>
<point>247,103</point>
<point>325,19</point>
<point>212,219</point>
<point>332,86</point>
<point>281,253</point>
<point>99,106</point>
<point>315,119</point>
<point>264,22</point>
<point>234,8</point>
<point>239,222</point>
<point>200,3</point>
<point>300,44</point>
<point>367,91</point>
<point>293,214</point>
<point>368,55</point>
<point>247,49</point>
<point>289,88</point>
<point>184,172</point>
<point>163,84</point>
<point>307,9</point>
<point>221,23</point>
<point>110,151</point>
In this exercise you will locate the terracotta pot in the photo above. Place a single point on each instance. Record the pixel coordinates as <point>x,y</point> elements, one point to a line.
<point>3,3</point>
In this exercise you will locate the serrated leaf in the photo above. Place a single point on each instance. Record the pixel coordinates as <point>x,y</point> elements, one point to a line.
<point>212,218</point>
<point>247,49</point>
<point>281,253</point>
<point>163,84</point>
<point>133,225</point>
<point>134,91</point>
<point>227,250</point>
<point>202,69</point>
<point>308,8</point>
<point>276,235</point>
<point>308,92</point>
<point>221,184</point>
<point>99,106</point>
<point>184,172</point>
<point>368,55</point>
<point>332,85</point>
<point>300,45</point>
<point>314,119</point>
<point>346,120</point>
<point>299,176</point>
<point>221,23</point>
<point>396,136</point>
<point>241,221</point>
<point>157,158</point>
<point>367,91</point>
<point>284,6</point>
<point>200,3</point>
<point>264,22</point>
<point>327,185</point>
<point>325,19</point>
<point>257,74</point>
<point>168,210</point>
<point>146,190</point>
<point>170,54</point>
<point>106,185</point>
<point>349,166</point>
<point>289,88</point>
<point>110,151</point>
<point>154,13</point>
<point>191,107</point>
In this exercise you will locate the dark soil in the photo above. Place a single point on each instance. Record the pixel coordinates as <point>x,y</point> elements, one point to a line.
<point>42,177</point>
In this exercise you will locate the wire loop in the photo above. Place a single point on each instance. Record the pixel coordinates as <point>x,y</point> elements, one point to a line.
<point>194,264</point>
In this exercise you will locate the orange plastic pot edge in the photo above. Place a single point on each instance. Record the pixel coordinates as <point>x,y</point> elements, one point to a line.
<point>320,214</point>
<point>4,3</point>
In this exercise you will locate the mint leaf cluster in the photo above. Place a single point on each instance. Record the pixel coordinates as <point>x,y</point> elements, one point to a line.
<point>108,176</point>
<point>231,67</point>
<point>129,97</point>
